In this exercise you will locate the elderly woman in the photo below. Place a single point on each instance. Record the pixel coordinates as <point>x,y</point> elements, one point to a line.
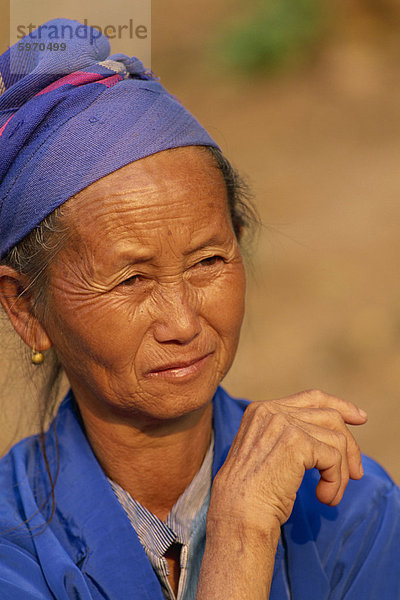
<point>120,230</point>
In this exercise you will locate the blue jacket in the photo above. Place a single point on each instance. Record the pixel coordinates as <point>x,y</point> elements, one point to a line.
<point>90,551</point>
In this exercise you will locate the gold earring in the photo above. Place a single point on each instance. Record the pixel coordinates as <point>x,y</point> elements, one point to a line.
<point>37,357</point>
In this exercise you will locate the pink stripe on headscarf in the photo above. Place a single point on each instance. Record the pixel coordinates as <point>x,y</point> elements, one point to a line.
<point>81,78</point>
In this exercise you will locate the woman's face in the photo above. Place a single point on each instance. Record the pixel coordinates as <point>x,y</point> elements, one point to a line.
<point>146,299</point>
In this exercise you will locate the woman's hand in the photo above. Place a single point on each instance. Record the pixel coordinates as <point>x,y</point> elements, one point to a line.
<point>276,442</point>
<point>254,491</point>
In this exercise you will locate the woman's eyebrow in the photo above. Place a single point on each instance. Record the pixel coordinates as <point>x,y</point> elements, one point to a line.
<point>215,240</point>
<point>132,257</point>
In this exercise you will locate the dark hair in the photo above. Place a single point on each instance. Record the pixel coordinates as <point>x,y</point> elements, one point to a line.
<point>33,255</point>
<point>244,215</point>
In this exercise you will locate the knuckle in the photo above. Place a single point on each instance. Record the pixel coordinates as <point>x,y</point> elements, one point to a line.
<point>334,414</point>
<point>332,418</point>
<point>256,408</point>
<point>257,416</point>
<point>342,440</point>
<point>292,434</point>
<point>261,416</point>
<point>250,408</point>
<point>249,413</point>
<point>315,394</point>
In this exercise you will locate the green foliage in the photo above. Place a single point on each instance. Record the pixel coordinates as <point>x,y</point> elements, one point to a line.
<point>277,34</point>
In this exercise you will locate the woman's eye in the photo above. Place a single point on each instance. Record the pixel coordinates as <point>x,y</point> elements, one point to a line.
<point>130,281</point>
<point>211,261</point>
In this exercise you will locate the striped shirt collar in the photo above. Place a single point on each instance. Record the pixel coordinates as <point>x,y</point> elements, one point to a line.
<point>157,536</point>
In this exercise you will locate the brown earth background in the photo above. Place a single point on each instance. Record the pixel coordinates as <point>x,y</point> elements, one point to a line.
<point>320,145</point>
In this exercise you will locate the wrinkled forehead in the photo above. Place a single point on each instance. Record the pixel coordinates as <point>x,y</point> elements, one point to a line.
<point>180,189</point>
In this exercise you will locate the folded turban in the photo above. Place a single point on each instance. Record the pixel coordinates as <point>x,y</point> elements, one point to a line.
<point>70,117</point>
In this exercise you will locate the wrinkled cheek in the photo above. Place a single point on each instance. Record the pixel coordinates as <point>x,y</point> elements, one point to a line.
<point>227,309</point>
<point>95,330</point>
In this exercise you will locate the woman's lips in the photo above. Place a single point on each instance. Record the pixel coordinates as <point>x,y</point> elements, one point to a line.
<point>179,369</point>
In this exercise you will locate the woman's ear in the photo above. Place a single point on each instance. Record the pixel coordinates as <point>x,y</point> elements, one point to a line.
<point>17,302</point>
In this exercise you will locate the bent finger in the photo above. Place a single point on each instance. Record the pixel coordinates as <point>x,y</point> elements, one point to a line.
<point>332,420</point>
<point>327,459</point>
<point>318,399</point>
<point>334,445</point>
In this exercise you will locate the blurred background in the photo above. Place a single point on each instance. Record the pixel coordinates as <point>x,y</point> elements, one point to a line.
<point>304,99</point>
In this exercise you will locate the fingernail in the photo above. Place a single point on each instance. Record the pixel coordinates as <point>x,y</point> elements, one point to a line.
<point>363,413</point>
<point>361,471</point>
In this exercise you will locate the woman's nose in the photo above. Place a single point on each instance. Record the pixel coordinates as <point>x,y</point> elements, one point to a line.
<point>177,319</point>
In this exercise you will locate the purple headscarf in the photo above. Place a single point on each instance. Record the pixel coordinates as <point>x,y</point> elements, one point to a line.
<point>68,118</point>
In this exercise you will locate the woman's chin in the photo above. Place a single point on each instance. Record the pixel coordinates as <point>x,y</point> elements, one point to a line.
<point>169,399</point>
